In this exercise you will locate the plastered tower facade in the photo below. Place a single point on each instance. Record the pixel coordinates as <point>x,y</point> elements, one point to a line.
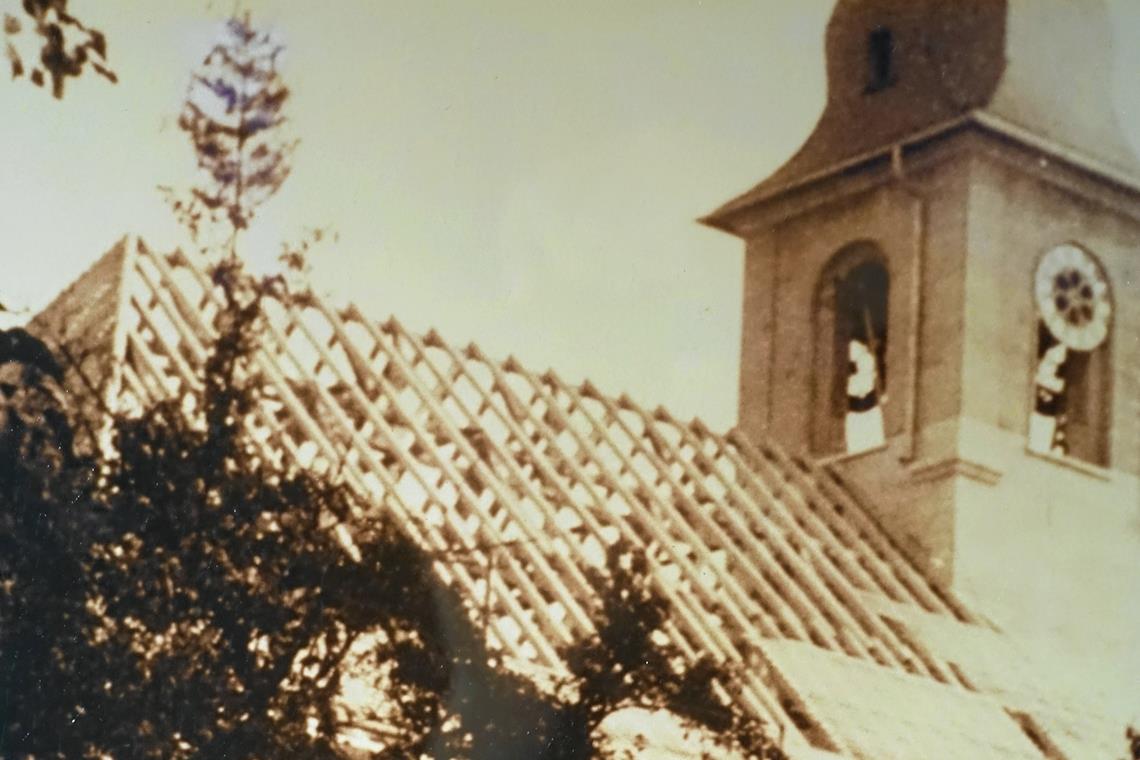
<point>942,297</point>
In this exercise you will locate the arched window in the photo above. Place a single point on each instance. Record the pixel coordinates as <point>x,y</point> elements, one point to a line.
<point>1071,379</point>
<point>850,351</point>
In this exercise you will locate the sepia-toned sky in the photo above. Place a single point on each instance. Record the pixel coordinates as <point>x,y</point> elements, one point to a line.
<point>518,173</point>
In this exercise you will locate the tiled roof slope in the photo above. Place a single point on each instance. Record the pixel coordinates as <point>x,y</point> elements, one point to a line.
<point>518,481</point>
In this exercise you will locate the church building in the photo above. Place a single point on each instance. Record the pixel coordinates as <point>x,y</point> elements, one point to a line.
<point>921,540</point>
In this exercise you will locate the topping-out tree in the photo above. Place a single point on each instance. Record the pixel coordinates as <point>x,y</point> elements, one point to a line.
<point>234,115</point>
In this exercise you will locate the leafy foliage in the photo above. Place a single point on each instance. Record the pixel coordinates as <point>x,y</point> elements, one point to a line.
<point>45,524</point>
<point>187,595</point>
<point>457,703</point>
<point>67,45</point>
<point>630,663</point>
<point>215,578</point>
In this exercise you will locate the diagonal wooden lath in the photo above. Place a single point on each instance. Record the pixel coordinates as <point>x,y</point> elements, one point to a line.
<point>517,484</point>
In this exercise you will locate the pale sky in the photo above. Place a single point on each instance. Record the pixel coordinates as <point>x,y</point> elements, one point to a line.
<point>520,173</point>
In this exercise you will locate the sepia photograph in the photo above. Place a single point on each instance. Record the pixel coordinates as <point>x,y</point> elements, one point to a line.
<point>511,379</point>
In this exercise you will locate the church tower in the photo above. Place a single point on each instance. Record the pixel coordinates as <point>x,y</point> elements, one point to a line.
<point>942,299</point>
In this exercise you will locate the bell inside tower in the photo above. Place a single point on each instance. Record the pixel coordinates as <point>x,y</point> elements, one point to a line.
<point>851,350</point>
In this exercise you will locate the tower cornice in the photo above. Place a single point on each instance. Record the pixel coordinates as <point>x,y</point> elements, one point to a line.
<point>732,216</point>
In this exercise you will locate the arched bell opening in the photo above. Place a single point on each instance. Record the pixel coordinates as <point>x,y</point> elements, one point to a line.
<point>850,377</point>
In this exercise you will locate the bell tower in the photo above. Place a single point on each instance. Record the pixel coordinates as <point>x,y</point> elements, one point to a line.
<point>941,300</point>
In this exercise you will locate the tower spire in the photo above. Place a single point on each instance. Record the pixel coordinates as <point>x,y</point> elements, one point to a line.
<point>905,71</point>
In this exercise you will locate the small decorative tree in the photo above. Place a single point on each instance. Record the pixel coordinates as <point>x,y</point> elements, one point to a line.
<point>234,115</point>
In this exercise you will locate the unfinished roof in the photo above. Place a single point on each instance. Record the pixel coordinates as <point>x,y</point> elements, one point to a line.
<point>1035,71</point>
<point>518,481</point>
